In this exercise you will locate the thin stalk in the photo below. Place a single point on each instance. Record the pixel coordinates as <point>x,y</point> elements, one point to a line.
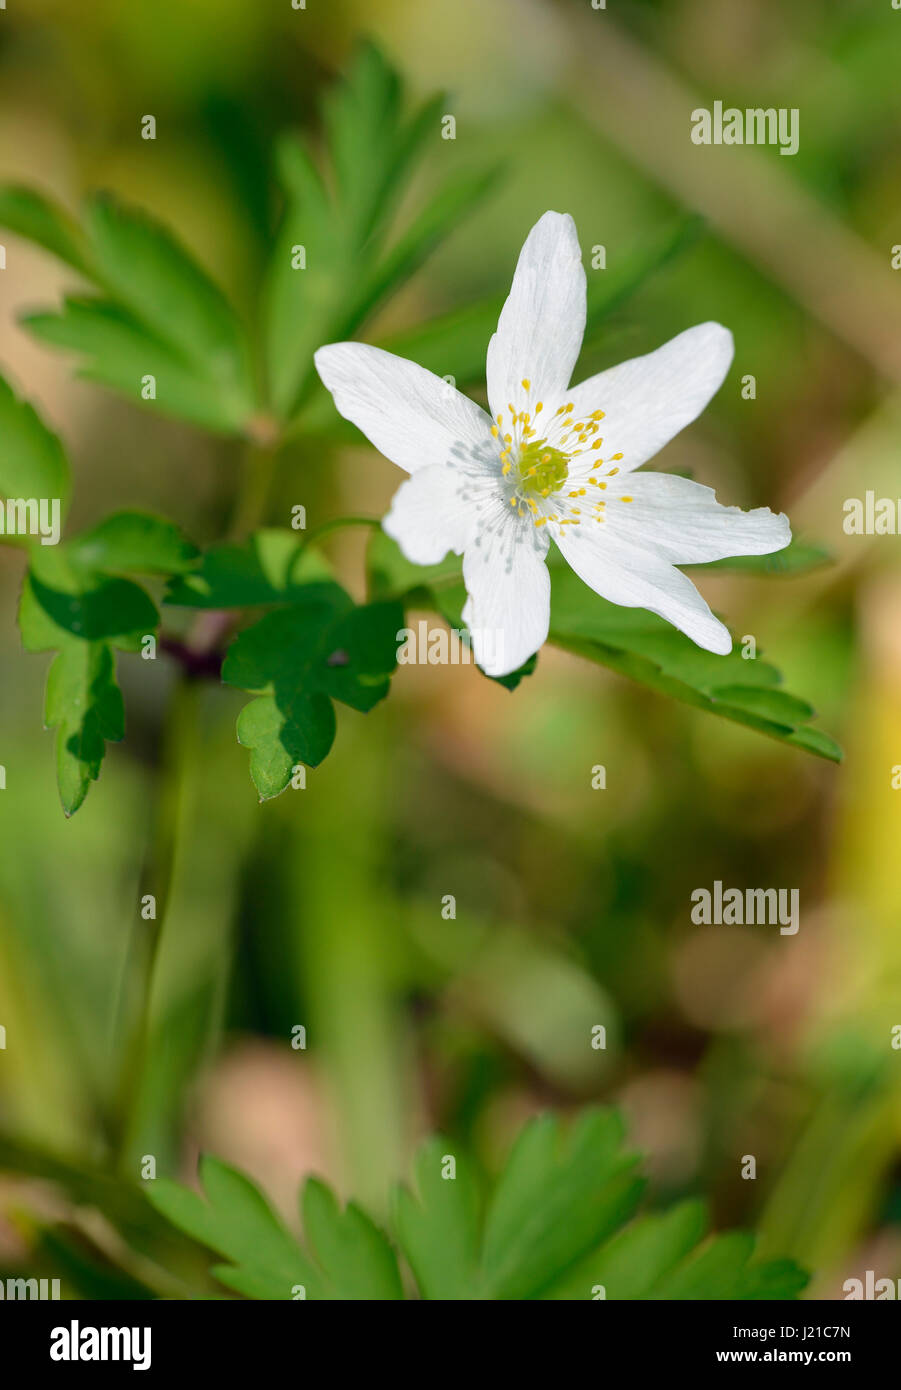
<point>260,467</point>
<point>180,740</point>
<point>338,524</point>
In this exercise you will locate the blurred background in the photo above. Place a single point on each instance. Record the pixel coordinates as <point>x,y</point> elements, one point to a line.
<point>323,909</point>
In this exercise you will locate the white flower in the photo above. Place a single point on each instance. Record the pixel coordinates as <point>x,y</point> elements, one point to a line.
<point>557,462</point>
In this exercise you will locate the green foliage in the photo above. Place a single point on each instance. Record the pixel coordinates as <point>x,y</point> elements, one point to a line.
<point>631,641</point>
<point>154,311</point>
<point>298,659</point>
<point>273,566</point>
<point>75,602</point>
<point>161,316</point>
<point>559,1221</point>
<point>133,543</point>
<point>341,216</point>
<point>83,616</point>
<point>347,1256</point>
<point>32,461</point>
<point>36,218</point>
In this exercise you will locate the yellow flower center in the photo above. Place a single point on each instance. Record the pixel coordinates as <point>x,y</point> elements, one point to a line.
<point>542,468</point>
<point>538,469</point>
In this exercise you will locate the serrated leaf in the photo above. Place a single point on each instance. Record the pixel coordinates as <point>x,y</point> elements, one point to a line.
<point>161,316</point>
<point>349,1257</point>
<point>82,617</point>
<point>452,203</point>
<point>298,658</point>
<point>237,1222</point>
<point>133,543</point>
<point>715,1271</point>
<point>439,1227</point>
<point>651,651</point>
<point>118,351</point>
<point>273,566</point>
<point>341,221</point>
<point>32,461</point>
<point>632,641</point>
<point>636,1259</point>
<point>357,1260</point>
<point>38,219</point>
<point>152,275</point>
<point>559,1195</point>
<point>559,1223</point>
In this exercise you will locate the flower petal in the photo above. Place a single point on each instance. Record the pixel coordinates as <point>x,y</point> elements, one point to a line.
<point>683,522</point>
<point>648,400</point>
<point>410,415</point>
<point>509,588</point>
<point>434,511</point>
<point>635,578</point>
<point>542,324</point>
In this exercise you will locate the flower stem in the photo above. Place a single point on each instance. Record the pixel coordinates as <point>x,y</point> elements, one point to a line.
<point>260,466</point>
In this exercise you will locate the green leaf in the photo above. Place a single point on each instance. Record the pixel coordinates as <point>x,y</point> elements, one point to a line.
<point>355,1256</point>
<point>148,272</point>
<point>453,202</point>
<point>342,221</point>
<point>161,316</point>
<point>35,217</point>
<point>238,1223</point>
<point>649,650</point>
<point>632,641</point>
<point>298,659</point>
<point>721,1269</point>
<point>82,617</point>
<point>559,1195</point>
<point>133,543</point>
<point>559,1222</point>
<point>349,1257</point>
<point>119,352</point>
<point>633,1262</point>
<point>439,1229</point>
<point>273,566</point>
<point>32,461</point>
<point>664,1256</point>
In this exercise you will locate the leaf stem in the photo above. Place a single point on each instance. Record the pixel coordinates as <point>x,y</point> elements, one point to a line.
<point>156,882</point>
<point>336,525</point>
